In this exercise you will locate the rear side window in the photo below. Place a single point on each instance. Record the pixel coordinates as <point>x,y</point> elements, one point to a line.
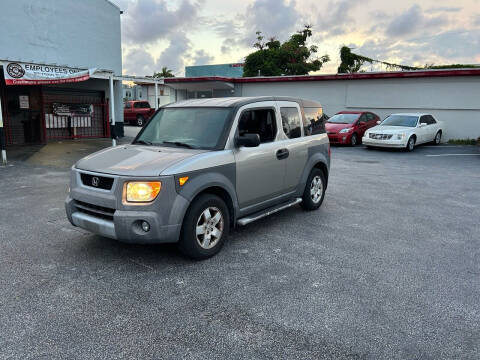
<point>430,120</point>
<point>258,121</point>
<point>314,121</point>
<point>142,105</point>
<point>370,116</point>
<point>291,122</point>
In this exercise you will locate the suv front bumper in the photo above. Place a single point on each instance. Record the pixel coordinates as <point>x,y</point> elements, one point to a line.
<point>102,211</point>
<point>125,225</point>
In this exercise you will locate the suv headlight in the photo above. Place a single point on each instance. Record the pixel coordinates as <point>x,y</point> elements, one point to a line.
<point>344,130</point>
<point>400,136</point>
<point>141,191</point>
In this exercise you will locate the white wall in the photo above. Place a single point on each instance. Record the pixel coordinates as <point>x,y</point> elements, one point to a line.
<point>453,100</point>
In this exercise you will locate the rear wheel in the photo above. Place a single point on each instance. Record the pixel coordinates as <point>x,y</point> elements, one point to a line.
<point>410,144</point>
<point>205,227</point>
<point>140,120</point>
<point>314,190</point>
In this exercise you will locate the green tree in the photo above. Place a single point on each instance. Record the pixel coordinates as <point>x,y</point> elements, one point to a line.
<point>165,73</point>
<point>272,58</point>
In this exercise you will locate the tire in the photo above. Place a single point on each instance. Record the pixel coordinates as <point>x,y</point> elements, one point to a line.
<point>410,144</point>
<point>438,138</point>
<point>354,140</point>
<point>140,120</point>
<point>309,200</point>
<point>197,246</point>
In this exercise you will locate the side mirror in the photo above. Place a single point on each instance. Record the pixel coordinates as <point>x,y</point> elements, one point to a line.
<point>378,122</point>
<point>423,124</point>
<point>247,140</point>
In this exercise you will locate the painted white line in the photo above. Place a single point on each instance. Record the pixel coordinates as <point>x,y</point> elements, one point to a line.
<point>445,146</point>
<point>454,155</point>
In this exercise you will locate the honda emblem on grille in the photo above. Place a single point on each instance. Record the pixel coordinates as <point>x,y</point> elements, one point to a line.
<point>95,181</point>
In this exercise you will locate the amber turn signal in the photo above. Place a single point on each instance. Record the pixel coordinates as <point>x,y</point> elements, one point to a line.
<point>182,180</point>
<point>142,191</point>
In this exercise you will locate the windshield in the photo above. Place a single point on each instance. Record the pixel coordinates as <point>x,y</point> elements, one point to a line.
<point>400,120</point>
<point>201,128</point>
<point>343,118</point>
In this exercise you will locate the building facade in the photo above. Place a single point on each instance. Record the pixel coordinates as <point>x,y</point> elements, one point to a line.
<point>452,96</point>
<point>227,70</point>
<point>57,37</point>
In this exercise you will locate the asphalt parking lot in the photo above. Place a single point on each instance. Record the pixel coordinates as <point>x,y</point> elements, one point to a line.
<point>388,268</point>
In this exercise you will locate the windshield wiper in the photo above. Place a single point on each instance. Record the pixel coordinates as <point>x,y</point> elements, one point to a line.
<point>143,142</point>
<point>179,143</point>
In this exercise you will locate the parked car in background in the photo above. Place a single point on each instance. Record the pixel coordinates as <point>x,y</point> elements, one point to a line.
<point>348,127</point>
<point>200,167</point>
<point>137,112</point>
<point>404,131</point>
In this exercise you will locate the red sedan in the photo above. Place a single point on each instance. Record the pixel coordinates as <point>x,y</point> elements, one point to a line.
<point>347,127</point>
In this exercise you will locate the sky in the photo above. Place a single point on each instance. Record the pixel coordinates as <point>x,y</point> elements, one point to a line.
<point>178,33</point>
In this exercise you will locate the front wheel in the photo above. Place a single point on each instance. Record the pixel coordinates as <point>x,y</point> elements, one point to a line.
<point>354,140</point>
<point>205,227</point>
<point>140,120</point>
<point>438,138</point>
<point>314,190</point>
<point>410,144</point>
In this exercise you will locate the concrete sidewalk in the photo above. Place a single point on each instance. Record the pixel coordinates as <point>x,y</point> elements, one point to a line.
<point>61,154</point>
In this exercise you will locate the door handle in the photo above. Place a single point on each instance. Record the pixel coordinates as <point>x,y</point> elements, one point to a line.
<point>282,154</point>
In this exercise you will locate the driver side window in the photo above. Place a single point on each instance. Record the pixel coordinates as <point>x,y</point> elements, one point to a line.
<point>258,121</point>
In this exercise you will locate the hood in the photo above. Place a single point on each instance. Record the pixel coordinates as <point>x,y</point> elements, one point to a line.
<point>135,160</point>
<point>332,127</point>
<point>389,129</point>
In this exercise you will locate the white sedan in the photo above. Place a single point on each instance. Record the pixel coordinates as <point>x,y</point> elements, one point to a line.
<point>404,131</point>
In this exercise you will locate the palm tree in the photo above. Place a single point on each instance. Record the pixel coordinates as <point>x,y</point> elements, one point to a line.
<point>165,73</point>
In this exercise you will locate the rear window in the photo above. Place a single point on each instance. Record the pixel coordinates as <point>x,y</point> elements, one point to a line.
<point>314,121</point>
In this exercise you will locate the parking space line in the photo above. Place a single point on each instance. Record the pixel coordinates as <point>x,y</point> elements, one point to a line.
<point>454,155</point>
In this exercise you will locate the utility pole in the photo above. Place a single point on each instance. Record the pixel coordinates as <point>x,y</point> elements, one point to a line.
<point>2,137</point>
<point>112,112</point>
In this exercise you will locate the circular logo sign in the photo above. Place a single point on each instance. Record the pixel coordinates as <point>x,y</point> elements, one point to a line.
<point>15,70</point>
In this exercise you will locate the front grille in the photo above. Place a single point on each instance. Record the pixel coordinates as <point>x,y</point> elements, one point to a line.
<point>99,182</point>
<point>331,132</point>
<point>381,136</point>
<point>94,210</point>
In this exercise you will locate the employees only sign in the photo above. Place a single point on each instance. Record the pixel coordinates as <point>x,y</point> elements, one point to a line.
<point>17,73</point>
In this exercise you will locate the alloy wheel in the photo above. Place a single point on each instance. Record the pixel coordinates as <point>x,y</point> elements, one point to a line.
<point>209,227</point>
<point>316,189</point>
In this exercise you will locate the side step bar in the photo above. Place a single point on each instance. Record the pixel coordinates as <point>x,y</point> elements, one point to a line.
<point>261,214</point>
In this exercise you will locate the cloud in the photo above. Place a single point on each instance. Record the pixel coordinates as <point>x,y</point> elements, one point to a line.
<point>273,18</point>
<point>148,21</point>
<point>201,57</point>
<point>340,19</point>
<point>438,49</point>
<point>406,23</point>
<point>436,9</point>
<point>174,55</point>
<point>476,20</point>
<point>137,61</point>
<point>413,20</point>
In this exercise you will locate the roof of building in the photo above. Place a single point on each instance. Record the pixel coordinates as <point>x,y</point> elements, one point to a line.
<point>354,76</point>
<point>239,101</point>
